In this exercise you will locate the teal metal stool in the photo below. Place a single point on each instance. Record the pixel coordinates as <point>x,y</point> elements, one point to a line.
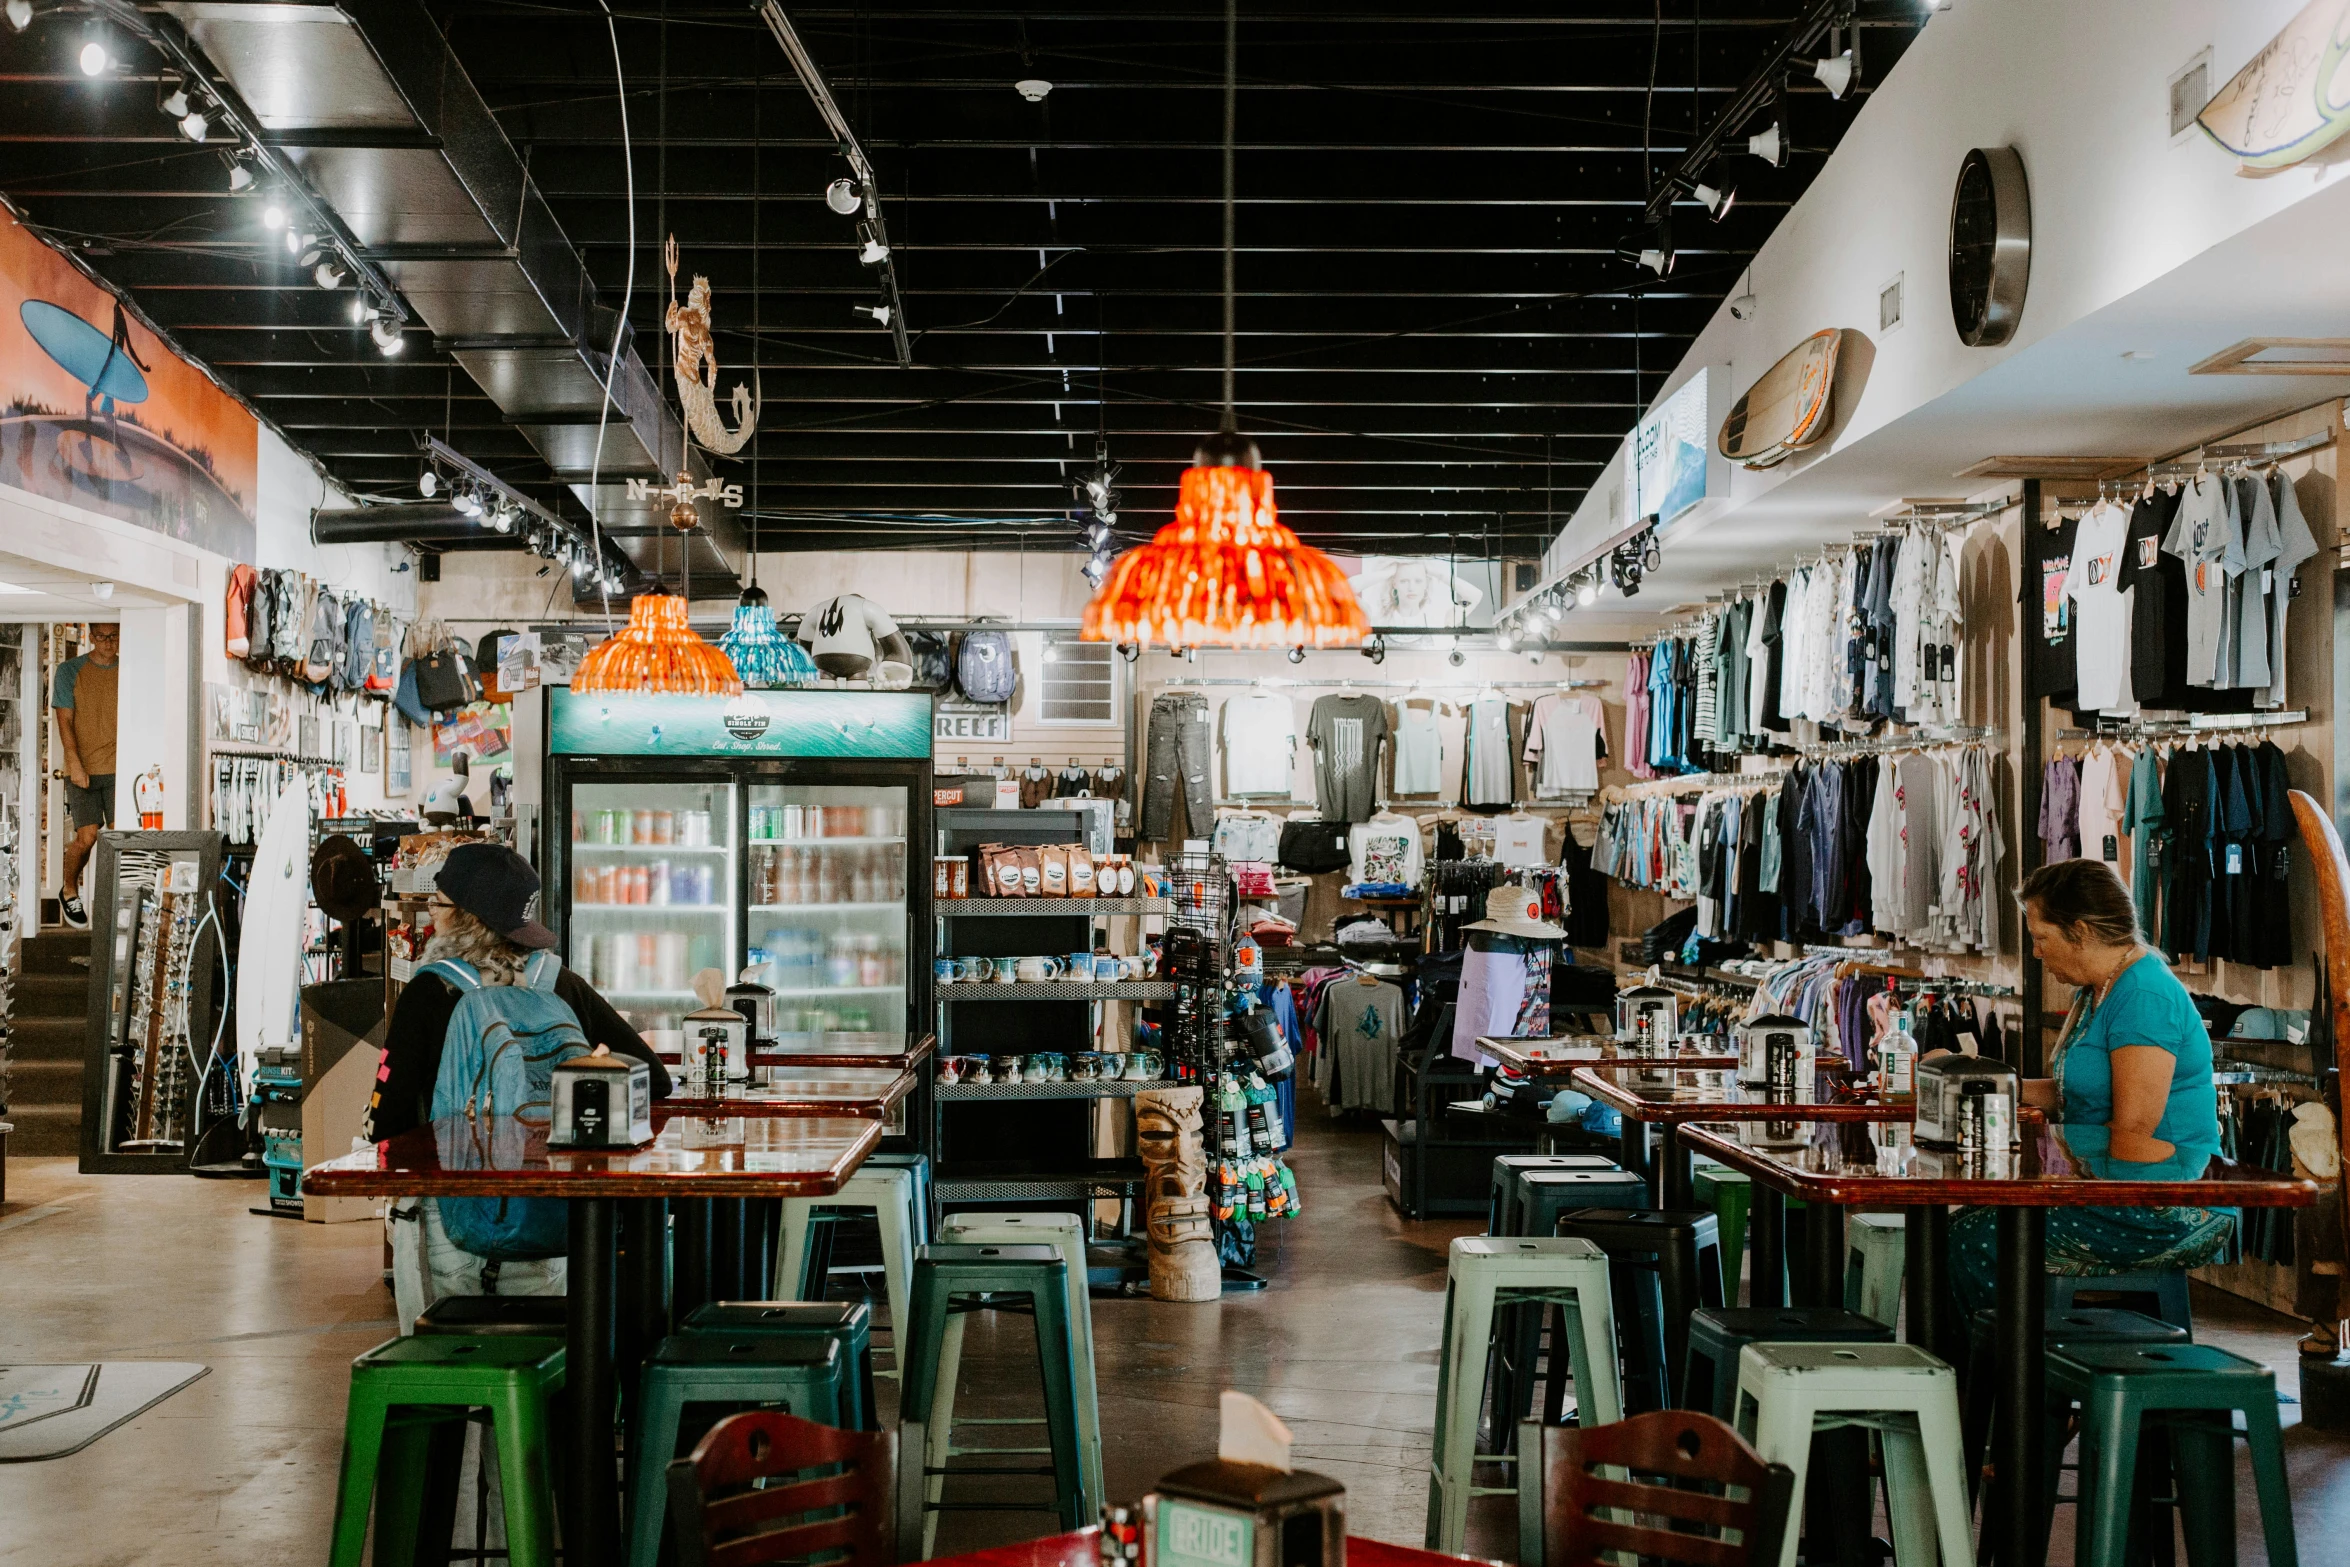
<point>402,1393</point>
<point>1718,1333</point>
<point>1502,1207</point>
<point>894,1194</point>
<point>2162,1294</point>
<point>2082,1325</point>
<point>801,1376</point>
<point>1730,1195</point>
<point>848,1323</point>
<point>2193,1391</point>
<point>1484,1275</point>
<point>1065,1232</point>
<point>949,1280</point>
<point>1874,1247</point>
<point>925,1187</point>
<point>1545,1193</point>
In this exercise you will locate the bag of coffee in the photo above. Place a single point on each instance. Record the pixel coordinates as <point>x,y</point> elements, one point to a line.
<point>1080,872</point>
<point>1052,862</point>
<point>1031,869</point>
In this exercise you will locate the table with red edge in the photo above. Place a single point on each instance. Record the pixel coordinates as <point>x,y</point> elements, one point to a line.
<point>1079,1549</point>
<point>1671,1094</point>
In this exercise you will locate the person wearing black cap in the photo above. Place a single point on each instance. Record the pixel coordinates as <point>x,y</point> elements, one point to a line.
<point>482,915</point>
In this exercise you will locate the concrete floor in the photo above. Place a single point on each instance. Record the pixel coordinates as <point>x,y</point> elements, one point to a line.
<point>238,1469</point>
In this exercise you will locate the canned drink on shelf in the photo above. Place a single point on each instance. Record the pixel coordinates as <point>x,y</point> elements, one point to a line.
<point>640,826</point>
<point>705,889</point>
<point>670,958</point>
<point>664,827</point>
<point>693,829</point>
<point>657,883</point>
<point>788,822</point>
<point>762,823</point>
<point>607,884</point>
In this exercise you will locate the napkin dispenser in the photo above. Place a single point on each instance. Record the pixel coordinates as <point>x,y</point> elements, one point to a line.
<point>1246,1507</point>
<point>1776,1051</point>
<point>1656,1004</point>
<point>755,1001</point>
<point>1946,1083</point>
<point>717,1046</point>
<point>601,1102</point>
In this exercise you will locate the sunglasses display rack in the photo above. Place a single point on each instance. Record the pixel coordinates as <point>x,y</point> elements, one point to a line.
<point>154,959</point>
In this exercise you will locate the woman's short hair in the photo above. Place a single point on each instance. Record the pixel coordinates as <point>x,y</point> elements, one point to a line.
<point>2085,899</point>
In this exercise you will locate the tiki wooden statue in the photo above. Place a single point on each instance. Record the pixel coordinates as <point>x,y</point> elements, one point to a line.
<point>1175,1191</point>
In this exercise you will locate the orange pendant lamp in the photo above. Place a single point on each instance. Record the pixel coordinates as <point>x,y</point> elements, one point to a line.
<point>1225,572</point>
<point>656,654</point>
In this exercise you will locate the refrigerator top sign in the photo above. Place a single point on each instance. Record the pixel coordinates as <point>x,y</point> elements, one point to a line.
<point>1669,450</point>
<point>847,724</point>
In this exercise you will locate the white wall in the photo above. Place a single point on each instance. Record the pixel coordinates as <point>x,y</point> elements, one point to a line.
<point>2118,204</point>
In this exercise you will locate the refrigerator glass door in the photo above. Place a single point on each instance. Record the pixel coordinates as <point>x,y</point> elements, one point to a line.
<point>652,896</point>
<point>828,904</point>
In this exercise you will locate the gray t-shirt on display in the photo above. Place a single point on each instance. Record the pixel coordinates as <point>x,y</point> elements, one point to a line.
<point>2263,543</point>
<point>2205,536</point>
<point>2296,545</point>
<point>1346,732</point>
<point>1359,1025</point>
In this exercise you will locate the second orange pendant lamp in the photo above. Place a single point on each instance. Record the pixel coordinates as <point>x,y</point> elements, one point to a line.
<point>1226,572</point>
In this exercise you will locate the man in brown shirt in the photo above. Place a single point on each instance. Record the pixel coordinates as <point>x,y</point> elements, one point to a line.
<point>83,696</point>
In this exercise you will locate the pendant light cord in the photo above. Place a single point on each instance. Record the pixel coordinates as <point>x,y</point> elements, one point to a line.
<point>1231,123</point>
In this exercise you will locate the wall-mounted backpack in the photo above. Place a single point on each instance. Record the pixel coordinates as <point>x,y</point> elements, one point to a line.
<point>289,622</point>
<point>383,670</point>
<point>260,620</point>
<point>498,1061</point>
<point>934,664</point>
<point>984,670</point>
<point>237,612</point>
<point>322,648</point>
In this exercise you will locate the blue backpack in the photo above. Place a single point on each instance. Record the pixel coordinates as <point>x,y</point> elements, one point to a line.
<point>499,1058</point>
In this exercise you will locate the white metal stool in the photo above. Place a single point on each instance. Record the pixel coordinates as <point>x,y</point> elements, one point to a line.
<point>1909,1398</point>
<point>1485,1270</point>
<point>894,1193</point>
<point>1874,1247</point>
<point>1067,1232</point>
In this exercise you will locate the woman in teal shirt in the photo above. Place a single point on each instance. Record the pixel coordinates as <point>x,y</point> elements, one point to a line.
<point>2131,1090</point>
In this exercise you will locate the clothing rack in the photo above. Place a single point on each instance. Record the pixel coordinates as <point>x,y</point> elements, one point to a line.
<point>1427,687</point>
<point>1942,985</point>
<point>1872,745</point>
<point>2192,724</point>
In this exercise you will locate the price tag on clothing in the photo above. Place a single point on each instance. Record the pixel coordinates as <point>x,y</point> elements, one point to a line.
<point>2268,580</point>
<point>2235,859</point>
<point>2113,847</point>
<point>1968,1045</point>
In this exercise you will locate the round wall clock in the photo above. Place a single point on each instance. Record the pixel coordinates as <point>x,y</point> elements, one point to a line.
<point>1990,246</point>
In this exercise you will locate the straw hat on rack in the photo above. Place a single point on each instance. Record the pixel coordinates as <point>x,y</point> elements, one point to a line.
<point>1517,911</point>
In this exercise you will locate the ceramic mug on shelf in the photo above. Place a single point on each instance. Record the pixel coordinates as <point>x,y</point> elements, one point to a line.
<point>1004,1069</point>
<point>951,1068</point>
<point>1007,970</point>
<point>1108,968</point>
<point>1036,970</point>
<point>1145,1065</point>
<point>973,971</point>
<point>1085,1067</point>
<point>1078,966</point>
<point>944,970</point>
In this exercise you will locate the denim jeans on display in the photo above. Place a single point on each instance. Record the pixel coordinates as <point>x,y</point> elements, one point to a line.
<point>1177,756</point>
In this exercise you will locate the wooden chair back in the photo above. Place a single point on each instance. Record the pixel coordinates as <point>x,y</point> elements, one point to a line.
<point>2326,862</point>
<point>1656,1486</point>
<point>834,1494</point>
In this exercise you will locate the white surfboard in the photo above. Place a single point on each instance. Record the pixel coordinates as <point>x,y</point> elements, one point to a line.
<point>269,950</point>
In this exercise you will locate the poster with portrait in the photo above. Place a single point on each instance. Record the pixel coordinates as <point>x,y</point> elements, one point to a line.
<point>96,412</point>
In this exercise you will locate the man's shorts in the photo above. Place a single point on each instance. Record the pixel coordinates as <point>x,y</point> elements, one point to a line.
<point>91,807</point>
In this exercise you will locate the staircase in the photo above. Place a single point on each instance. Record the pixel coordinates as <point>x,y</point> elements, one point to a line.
<point>49,1027</point>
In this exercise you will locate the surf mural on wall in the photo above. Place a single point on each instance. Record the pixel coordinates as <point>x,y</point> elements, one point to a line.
<point>96,412</point>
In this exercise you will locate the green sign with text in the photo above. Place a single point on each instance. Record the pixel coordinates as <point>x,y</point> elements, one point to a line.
<point>1191,1536</point>
<point>830,724</point>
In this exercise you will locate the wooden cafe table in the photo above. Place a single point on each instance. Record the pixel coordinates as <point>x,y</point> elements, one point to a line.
<point>866,1093</point>
<point>1082,1548</point>
<point>1850,1164</point>
<point>1676,1092</point>
<point>691,1157</point>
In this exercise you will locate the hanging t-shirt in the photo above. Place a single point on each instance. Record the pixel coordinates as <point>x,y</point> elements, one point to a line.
<point>1517,840</point>
<point>2104,780</point>
<point>1346,732</point>
<point>2157,586</point>
<point>1491,771</point>
<point>2262,546</point>
<point>2060,809</point>
<point>2149,829</point>
<point>2296,546</point>
<point>1259,735</point>
<point>1384,849</point>
<point>2048,614</point>
<point>1567,735</point>
<point>1359,1025</point>
<point>2101,612</point>
<point>2205,539</point>
<point>1419,750</point>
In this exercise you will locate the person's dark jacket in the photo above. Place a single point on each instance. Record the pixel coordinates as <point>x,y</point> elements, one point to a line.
<point>420,1024</point>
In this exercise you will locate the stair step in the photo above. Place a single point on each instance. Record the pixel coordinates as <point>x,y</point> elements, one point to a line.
<point>47,1039</point>
<point>55,952</point>
<point>44,1130</point>
<point>44,1083</point>
<point>51,995</point>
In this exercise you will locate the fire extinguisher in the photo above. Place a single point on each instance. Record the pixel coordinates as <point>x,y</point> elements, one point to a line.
<point>147,790</point>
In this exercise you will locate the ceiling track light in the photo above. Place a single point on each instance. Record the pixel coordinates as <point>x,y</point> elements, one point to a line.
<point>1769,144</point>
<point>387,334</point>
<point>1835,73</point>
<point>240,178</point>
<point>273,216</point>
<point>1651,249</point>
<point>94,58</point>
<point>880,313</point>
<point>1717,203</point>
<point>843,197</point>
<point>175,103</point>
<point>871,251</point>
<point>20,14</point>
<point>428,483</point>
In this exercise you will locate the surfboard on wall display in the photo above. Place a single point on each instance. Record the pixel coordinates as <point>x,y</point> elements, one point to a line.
<point>2292,99</point>
<point>269,951</point>
<point>1787,408</point>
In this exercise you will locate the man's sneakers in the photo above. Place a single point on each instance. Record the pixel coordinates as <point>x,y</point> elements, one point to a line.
<point>75,915</point>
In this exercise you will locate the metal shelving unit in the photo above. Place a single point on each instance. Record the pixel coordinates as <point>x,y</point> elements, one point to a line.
<point>950,907</point>
<point>1098,1178</point>
<point>1058,990</point>
<point>1117,1088</point>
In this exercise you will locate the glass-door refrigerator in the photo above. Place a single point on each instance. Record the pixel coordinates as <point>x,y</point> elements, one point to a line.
<point>781,831</point>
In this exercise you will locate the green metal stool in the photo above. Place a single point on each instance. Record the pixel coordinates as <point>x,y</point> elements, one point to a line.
<point>2085,1325</point>
<point>1718,1333</point>
<point>801,1376</point>
<point>1065,1232</point>
<point>1502,1208</point>
<point>401,1392</point>
<point>949,1280</point>
<point>1730,1195</point>
<point>2161,1293</point>
<point>1874,1246</point>
<point>2194,1390</point>
<point>1485,1274</point>
<point>848,1323</point>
